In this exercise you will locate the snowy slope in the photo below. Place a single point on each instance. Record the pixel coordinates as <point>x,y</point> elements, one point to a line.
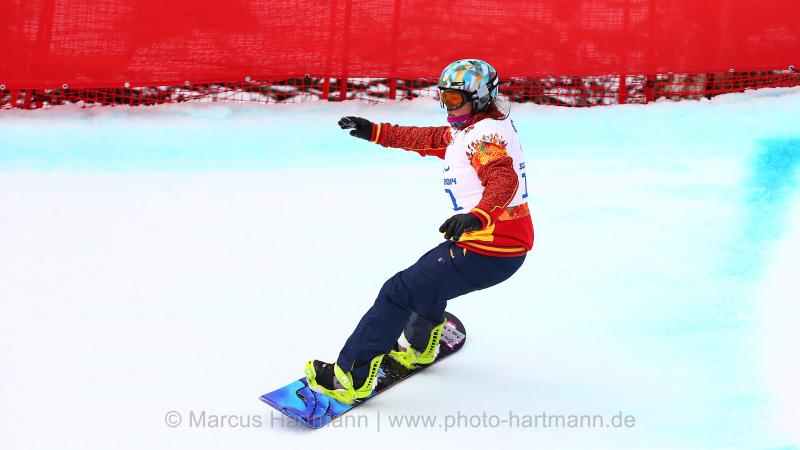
<point>189,258</point>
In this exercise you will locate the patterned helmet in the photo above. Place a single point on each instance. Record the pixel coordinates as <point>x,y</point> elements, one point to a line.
<point>475,77</point>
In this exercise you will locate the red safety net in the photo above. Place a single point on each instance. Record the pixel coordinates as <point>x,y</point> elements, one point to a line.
<point>580,52</point>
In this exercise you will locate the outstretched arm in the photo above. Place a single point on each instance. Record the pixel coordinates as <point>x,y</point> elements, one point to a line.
<point>424,141</point>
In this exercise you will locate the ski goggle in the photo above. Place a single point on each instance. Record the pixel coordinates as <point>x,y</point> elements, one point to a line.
<point>452,98</point>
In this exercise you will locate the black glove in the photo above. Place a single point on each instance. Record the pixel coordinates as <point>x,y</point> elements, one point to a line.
<point>455,226</point>
<point>361,128</point>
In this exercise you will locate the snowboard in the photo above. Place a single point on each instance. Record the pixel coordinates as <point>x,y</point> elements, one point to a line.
<point>315,410</point>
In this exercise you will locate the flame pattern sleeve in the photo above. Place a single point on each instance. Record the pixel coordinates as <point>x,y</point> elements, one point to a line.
<point>495,168</point>
<point>425,141</point>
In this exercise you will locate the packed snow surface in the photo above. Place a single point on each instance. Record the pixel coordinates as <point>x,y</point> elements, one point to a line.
<point>162,267</point>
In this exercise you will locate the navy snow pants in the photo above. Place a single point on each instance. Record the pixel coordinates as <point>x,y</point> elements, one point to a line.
<point>413,300</point>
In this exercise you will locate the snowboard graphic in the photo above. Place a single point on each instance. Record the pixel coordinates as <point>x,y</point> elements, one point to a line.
<point>315,410</point>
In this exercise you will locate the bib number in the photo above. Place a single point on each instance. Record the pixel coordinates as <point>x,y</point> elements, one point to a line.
<point>453,199</point>
<point>525,180</point>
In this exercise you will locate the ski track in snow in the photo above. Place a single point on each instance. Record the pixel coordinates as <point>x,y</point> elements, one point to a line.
<point>192,257</point>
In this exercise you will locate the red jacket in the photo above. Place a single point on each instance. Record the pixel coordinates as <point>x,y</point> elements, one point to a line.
<point>505,231</point>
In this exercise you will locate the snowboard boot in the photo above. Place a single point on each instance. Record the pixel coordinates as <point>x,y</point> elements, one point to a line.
<point>409,357</point>
<point>331,380</point>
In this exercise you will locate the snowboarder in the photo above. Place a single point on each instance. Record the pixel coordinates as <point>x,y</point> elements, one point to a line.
<point>485,241</point>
